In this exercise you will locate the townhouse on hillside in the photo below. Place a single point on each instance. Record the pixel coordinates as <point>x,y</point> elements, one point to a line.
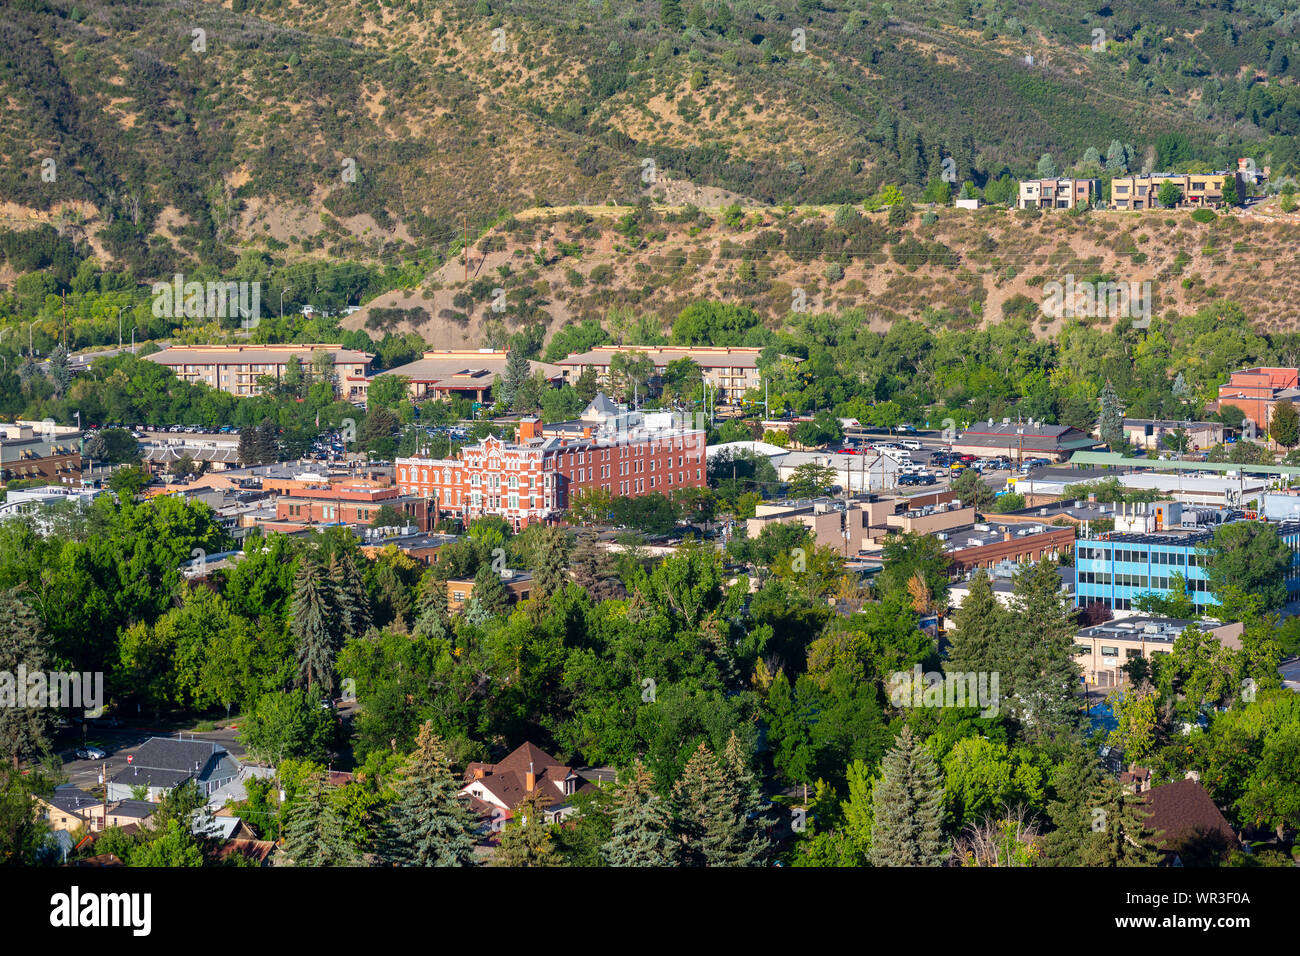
<point>237,369</point>
<point>625,453</point>
<point>1195,189</point>
<point>1058,193</point>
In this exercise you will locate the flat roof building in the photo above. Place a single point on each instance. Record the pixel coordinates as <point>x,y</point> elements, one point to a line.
<point>238,369</point>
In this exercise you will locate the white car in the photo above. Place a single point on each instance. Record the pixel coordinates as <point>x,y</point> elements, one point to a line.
<point>90,753</point>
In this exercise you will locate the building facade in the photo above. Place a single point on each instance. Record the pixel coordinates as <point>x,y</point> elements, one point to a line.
<point>1103,650</point>
<point>535,478</point>
<point>1256,390</point>
<point>731,371</point>
<point>237,369</point>
<point>1196,189</point>
<point>1058,193</point>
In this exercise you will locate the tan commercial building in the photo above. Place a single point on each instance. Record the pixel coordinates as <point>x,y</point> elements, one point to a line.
<point>1196,189</point>
<point>1103,650</point>
<point>237,369</point>
<point>731,370</point>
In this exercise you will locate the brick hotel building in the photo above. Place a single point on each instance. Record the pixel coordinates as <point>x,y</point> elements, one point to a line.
<point>625,453</point>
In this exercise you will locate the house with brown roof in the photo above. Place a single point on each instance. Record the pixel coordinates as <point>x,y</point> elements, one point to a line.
<point>1189,829</point>
<point>496,789</point>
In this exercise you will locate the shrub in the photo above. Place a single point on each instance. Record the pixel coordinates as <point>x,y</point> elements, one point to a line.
<point>1204,215</point>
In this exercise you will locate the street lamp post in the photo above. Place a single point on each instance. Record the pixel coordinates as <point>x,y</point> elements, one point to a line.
<point>119,326</point>
<point>133,340</point>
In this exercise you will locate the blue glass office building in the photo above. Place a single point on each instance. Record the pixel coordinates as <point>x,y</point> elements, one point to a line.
<point>1118,567</point>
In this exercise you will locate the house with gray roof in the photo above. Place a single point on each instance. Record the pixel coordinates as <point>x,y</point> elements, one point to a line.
<point>164,763</point>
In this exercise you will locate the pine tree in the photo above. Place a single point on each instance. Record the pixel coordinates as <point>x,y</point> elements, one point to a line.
<point>592,569</point>
<point>979,631</point>
<point>1041,662</point>
<point>526,839</point>
<point>710,815</point>
<point>1120,836</point>
<point>431,614</point>
<point>428,825</point>
<point>1116,160</point>
<point>750,803</point>
<point>670,14</point>
<point>1110,421</point>
<point>1074,781</point>
<point>907,829</point>
<point>518,369</point>
<point>315,833</point>
<point>549,574</point>
<point>489,592</point>
<point>24,730</point>
<point>310,624</point>
<point>350,599</point>
<point>642,829</point>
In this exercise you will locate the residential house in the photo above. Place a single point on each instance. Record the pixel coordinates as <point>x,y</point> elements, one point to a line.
<point>163,763</point>
<point>1194,189</point>
<point>1189,829</point>
<point>496,790</point>
<point>1058,193</point>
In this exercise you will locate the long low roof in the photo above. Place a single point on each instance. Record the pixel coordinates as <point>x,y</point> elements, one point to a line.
<point>446,367</point>
<point>710,356</point>
<point>251,354</point>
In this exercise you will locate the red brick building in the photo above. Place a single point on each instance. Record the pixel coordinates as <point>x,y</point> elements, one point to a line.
<point>625,453</point>
<point>346,503</point>
<point>1256,390</point>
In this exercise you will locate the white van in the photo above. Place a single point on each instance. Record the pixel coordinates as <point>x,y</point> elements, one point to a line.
<point>911,443</point>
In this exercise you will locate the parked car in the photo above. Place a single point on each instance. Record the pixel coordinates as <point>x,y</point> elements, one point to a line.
<point>911,444</point>
<point>90,753</point>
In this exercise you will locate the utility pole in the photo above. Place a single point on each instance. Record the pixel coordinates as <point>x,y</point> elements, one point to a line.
<point>464,226</point>
<point>65,322</point>
<point>103,770</point>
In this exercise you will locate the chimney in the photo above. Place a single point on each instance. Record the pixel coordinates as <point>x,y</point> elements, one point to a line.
<point>478,773</point>
<point>530,781</point>
<point>1006,535</point>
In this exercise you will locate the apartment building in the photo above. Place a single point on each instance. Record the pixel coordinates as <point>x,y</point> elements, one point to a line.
<point>1104,650</point>
<point>988,544</point>
<point>1256,390</point>
<point>237,369</point>
<point>1196,189</point>
<point>1058,193</point>
<point>627,454</point>
<point>732,371</point>
<point>462,373</point>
